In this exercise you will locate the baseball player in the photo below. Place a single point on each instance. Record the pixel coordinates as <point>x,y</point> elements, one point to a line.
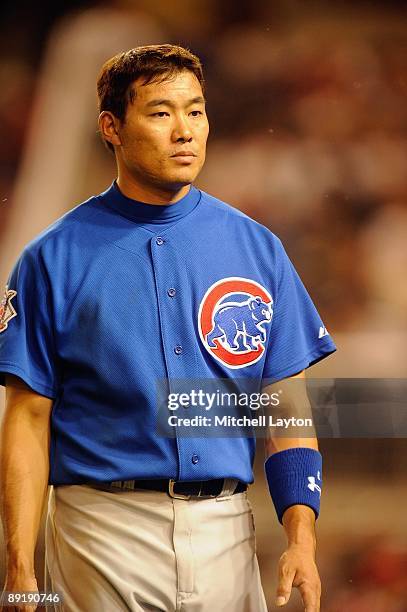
<point>151,280</point>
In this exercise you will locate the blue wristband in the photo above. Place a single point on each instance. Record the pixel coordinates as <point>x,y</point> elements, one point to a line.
<point>294,477</point>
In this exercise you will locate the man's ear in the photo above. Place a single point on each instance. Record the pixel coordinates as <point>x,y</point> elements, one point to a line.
<point>108,126</point>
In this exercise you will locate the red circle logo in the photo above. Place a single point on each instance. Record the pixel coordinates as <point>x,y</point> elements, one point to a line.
<point>234,317</point>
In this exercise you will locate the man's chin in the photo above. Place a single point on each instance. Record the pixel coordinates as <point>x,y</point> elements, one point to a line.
<point>176,182</point>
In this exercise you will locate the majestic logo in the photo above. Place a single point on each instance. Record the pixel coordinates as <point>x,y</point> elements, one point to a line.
<point>7,310</point>
<point>232,320</point>
<point>323,332</point>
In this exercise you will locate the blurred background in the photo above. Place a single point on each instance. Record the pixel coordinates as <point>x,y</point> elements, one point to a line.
<point>308,108</point>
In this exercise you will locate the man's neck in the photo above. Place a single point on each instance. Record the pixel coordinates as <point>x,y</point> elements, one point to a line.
<point>150,194</point>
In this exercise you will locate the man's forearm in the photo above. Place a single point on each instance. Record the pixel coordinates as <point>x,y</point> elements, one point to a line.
<point>24,469</point>
<point>298,520</point>
<point>293,402</point>
<point>299,525</point>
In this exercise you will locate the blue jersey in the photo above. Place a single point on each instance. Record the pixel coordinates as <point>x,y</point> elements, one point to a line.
<point>118,294</point>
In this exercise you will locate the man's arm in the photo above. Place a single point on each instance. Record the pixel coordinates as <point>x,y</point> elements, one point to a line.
<point>297,565</point>
<point>24,469</point>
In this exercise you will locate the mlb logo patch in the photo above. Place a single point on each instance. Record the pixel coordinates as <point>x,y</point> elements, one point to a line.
<point>233,321</point>
<point>7,310</point>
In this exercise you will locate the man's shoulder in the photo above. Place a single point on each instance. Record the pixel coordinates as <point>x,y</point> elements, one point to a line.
<point>224,208</point>
<point>62,228</point>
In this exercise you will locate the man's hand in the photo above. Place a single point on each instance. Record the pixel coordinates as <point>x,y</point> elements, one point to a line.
<point>297,568</point>
<point>20,583</point>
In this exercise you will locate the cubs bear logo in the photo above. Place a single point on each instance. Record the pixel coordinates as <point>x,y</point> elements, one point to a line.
<point>233,319</point>
<point>7,310</point>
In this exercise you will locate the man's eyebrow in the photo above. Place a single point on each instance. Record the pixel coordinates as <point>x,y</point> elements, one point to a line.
<point>162,101</point>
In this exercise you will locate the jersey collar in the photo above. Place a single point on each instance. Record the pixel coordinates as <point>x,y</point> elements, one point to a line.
<point>152,213</point>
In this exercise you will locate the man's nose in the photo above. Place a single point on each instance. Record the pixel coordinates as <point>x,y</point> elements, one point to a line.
<point>182,131</point>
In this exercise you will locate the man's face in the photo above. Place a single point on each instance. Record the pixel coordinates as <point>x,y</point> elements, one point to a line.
<point>163,138</point>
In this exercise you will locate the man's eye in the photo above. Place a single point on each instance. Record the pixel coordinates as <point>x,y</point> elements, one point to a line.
<point>196,113</point>
<point>160,114</point>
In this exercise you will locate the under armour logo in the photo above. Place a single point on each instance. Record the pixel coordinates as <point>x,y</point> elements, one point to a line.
<point>312,485</point>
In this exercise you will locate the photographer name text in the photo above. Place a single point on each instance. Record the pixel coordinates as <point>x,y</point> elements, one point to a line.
<point>243,421</point>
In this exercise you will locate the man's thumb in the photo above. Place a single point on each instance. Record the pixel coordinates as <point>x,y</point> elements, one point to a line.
<point>281,600</point>
<point>283,593</point>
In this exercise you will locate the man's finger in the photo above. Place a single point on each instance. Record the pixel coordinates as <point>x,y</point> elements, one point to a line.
<point>285,584</point>
<point>310,596</point>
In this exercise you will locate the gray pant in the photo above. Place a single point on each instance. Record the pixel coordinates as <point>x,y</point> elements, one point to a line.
<point>143,550</point>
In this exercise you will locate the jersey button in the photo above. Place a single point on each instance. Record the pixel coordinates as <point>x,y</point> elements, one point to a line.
<point>159,240</point>
<point>194,459</point>
<point>178,349</point>
<point>171,292</point>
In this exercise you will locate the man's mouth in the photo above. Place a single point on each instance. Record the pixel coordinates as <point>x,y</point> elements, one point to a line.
<point>184,154</point>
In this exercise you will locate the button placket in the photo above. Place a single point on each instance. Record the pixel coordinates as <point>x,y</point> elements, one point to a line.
<point>170,278</point>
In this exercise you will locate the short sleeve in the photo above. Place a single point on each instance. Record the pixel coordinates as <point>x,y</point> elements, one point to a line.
<point>298,337</point>
<point>27,347</point>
